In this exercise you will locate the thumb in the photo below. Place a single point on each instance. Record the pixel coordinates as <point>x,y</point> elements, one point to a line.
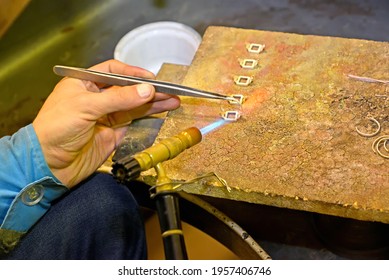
<point>125,98</point>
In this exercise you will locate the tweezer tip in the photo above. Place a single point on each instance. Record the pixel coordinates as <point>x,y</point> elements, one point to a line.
<point>230,98</point>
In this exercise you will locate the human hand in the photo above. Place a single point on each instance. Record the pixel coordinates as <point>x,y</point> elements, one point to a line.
<point>81,123</point>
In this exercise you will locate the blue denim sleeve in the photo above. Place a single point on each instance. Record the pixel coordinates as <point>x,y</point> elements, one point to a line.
<point>27,186</point>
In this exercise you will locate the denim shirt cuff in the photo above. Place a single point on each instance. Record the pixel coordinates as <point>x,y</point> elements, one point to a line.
<point>31,187</point>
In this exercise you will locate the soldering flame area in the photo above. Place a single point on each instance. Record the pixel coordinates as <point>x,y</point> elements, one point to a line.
<point>211,127</point>
<point>226,117</point>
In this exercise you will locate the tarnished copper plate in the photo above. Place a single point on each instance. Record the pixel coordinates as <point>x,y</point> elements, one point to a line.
<point>295,144</point>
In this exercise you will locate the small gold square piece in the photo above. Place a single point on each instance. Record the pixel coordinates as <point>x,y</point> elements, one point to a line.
<point>255,48</point>
<point>248,63</point>
<point>243,80</point>
<point>231,115</point>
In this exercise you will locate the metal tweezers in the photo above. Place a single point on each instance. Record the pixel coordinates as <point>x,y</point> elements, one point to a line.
<point>122,80</point>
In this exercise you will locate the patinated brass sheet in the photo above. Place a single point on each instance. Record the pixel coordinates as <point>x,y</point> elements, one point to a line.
<point>295,145</point>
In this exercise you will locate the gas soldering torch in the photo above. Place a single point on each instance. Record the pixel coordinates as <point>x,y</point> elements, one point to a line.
<point>129,167</point>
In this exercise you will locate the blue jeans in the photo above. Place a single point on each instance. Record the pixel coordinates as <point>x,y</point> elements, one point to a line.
<point>99,219</point>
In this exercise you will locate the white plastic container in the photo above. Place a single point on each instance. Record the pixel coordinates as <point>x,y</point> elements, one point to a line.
<point>149,46</point>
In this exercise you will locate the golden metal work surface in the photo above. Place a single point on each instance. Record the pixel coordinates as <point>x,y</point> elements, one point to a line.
<point>295,144</point>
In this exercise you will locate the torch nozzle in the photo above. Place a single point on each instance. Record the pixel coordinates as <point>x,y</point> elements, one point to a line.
<point>129,167</point>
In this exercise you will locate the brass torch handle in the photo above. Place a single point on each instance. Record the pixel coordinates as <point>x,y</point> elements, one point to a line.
<point>129,167</point>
